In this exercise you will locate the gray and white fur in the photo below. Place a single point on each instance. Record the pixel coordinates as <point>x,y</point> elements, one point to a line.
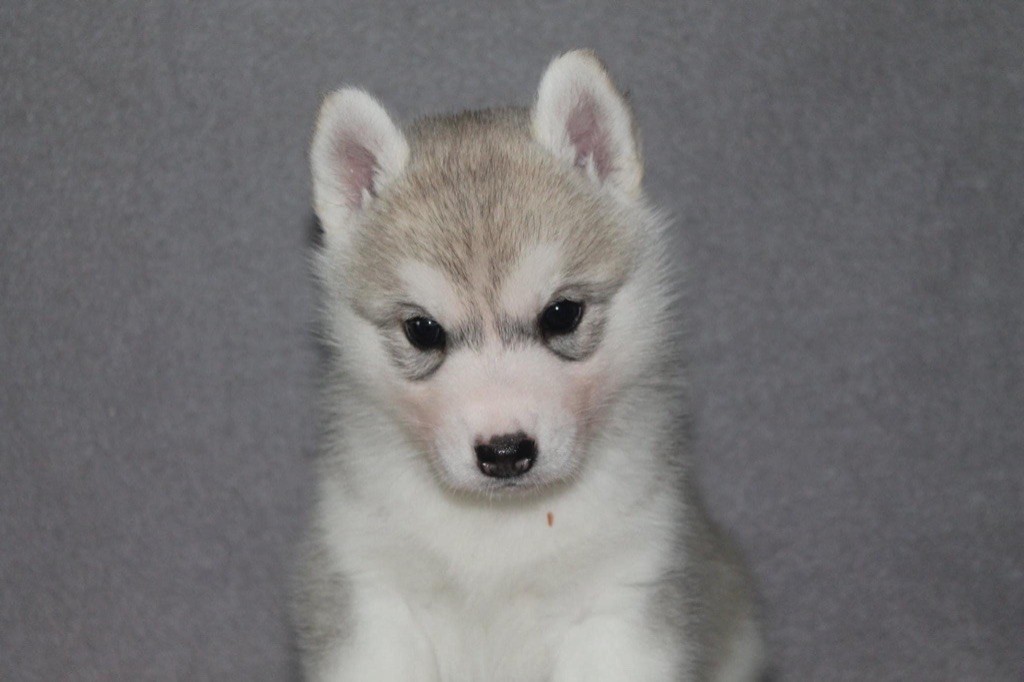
<point>591,559</point>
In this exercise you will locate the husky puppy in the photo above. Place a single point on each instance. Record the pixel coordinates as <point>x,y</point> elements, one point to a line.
<point>503,487</point>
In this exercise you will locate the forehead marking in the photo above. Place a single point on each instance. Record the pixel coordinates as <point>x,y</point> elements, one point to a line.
<point>427,287</point>
<point>533,280</point>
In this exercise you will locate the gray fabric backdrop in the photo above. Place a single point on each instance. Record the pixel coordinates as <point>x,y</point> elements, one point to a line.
<point>847,180</point>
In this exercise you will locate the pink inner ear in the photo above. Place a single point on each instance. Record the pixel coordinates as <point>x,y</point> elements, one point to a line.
<point>358,165</point>
<point>588,136</point>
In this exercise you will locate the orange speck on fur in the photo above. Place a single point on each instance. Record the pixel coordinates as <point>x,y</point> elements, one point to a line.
<point>551,519</point>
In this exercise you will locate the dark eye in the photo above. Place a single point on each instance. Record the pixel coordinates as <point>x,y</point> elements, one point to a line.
<point>561,317</point>
<point>425,333</point>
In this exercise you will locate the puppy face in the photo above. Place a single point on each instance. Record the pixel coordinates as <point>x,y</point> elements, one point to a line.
<point>521,359</point>
<point>488,287</point>
<point>483,274</point>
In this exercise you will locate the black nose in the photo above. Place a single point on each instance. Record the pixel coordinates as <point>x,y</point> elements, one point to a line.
<point>506,456</point>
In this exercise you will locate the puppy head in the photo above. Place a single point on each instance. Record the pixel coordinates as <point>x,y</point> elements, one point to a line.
<point>491,278</point>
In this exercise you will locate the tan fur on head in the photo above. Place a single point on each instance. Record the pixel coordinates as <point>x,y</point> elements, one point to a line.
<point>476,194</point>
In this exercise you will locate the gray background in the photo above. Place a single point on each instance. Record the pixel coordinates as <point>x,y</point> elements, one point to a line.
<point>847,180</point>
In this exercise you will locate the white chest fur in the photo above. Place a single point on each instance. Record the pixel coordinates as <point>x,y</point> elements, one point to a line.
<point>461,591</point>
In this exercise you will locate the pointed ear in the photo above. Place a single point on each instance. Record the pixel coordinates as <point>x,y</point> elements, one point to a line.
<point>582,118</point>
<point>357,150</point>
